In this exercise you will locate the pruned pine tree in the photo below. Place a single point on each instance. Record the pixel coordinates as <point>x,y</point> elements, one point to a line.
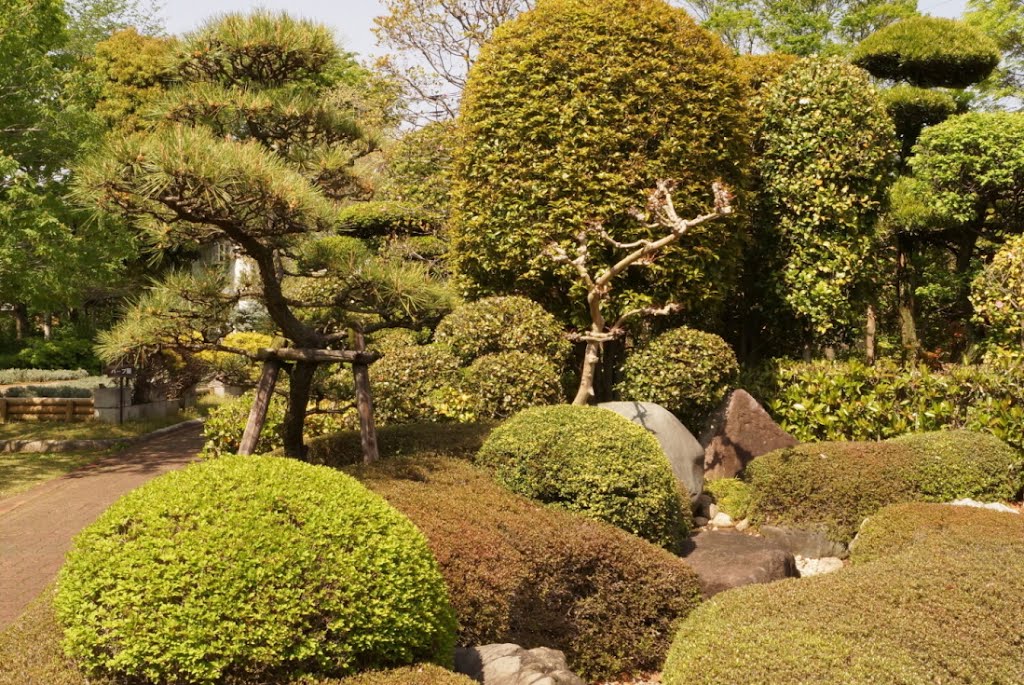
<point>255,147</point>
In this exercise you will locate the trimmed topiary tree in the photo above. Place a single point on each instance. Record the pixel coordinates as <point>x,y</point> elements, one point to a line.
<point>592,461</point>
<point>508,382</point>
<point>572,113</point>
<point>686,371</point>
<point>928,52</point>
<point>834,486</point>
<point>251,569</point>
<point>503,324</point>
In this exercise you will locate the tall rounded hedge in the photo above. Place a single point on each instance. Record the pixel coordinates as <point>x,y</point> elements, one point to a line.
<point>928,52</point>
<point>592,461</point>
<point>506,383</point>
<point>685,370</point>
<point>251,569</point>
<point>503,324</point>
<point>571,113</point>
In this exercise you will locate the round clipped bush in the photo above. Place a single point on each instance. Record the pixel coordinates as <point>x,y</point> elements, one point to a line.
<point>405,378</point>
<point>928,52</point>
<point>571,113</point>
<point>372,219</point>
<point>505,383</point>
<point>686,371</point>
<point>833,486</point>
<point>912,108</point>
<point>592,461</point>
<point>503,324</point>
<point>251,569</point>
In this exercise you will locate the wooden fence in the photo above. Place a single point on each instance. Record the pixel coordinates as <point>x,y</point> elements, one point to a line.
<point>45,409</point>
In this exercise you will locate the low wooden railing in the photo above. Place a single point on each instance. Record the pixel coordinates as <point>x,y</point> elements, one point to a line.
<point>45,409</point>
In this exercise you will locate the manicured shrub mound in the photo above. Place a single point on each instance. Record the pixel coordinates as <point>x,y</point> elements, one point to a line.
<point>686,371</point>
<point>833,486</point>
<point>928,52</point>
<point>405,379</point>
<point>538,576</point>
<point>508,382</point>
<point>896,528</point>
<point>503,324</point>
<point>423,674</point>
<point>459,441</point>
<point>931,614</point>
<point>592,461</point>
<point>253,569</point>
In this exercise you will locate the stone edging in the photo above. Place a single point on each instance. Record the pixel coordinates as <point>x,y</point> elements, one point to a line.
<point>46,446</point>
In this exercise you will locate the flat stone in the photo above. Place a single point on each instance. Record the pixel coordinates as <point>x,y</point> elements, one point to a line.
<point>737,432</point>
<point>684,453</point>
<point>509,664</point>
<point>811,544</point>
<point>722,520</point>
<point>991,506</point>
<point>725,560</point>
<point>817,567</point>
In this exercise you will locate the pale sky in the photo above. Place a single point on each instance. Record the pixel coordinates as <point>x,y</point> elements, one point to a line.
<point>352,19</point>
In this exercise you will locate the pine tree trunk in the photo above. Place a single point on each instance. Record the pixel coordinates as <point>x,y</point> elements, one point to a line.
<point>21,322</point>
<point>300,382</point>
<point>905,288</point>
<point>260,404</point>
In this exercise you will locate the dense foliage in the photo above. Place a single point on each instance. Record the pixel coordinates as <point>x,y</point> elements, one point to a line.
<point>406,380</point>
<point>943,609</point>
<point>570,115</point>
<point>224,427</point>
<point>502,324</point>
<point>913,108</point>
<point>997,293</point>
<point>538,576</point>
<point>592,461</point>
<point>833,486</point>
<point>731,495</point>
<point>423,674</point>
<point>827,155</point>
<point>684,370</point>
<point>251,568</point>
<point>928,52</point>
<point>506,383</point>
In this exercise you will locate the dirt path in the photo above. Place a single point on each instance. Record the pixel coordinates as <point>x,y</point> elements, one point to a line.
<point>36,526</point>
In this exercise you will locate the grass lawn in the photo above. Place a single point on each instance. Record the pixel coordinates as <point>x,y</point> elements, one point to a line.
<point>84,430</point>
<point>21,471</point>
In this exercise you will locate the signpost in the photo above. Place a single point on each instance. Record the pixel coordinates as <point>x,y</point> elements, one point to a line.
<point>120,373</point>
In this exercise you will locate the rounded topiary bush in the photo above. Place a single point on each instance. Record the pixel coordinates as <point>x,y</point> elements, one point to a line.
<point>592,461</point>
<point>251,569</point>
<point>508,382</point>
<point>686,371</point>
<point>833,486</point>
<point>503,324</point>
<point>571,114</point>
<point>405,378</point>
<point>928,52</point>
<point>225,425</point>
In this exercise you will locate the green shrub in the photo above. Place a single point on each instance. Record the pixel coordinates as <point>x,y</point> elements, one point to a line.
<point>912,108</point>
<point>760,70</point>
<point>12,376</point>
<point>931,614</point>
<point>928,52</point>
<point>251,568</point>
<point>56,354</point>
<point>225,425</point>
<point>592,461</point>
<point>731,495</point>
<point>404,381</point>
<point>370,219</point>
<point>421,674</point>
<point>46,391</point>
<point>508,382</point>
<point>539,576</point>
<point>833,486</point>
<point>854,401</point>
<point>895,529</point>
<point>236,369</point>
<point>390,339</point>
<point>459,441</point>
<point>997,293</point>
<point>571,114</point>
<point>686,371</point>
<point>503,324</point>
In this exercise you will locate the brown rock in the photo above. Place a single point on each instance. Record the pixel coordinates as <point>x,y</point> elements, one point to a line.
<point>724,560</point>
<point>739,431</point>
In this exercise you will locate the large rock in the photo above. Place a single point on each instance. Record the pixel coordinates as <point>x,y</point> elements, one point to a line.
<point>508,664</point>
<point>812,544</point>
<point>737,432</point>
<point>724,560</point>
<point>683,451</point>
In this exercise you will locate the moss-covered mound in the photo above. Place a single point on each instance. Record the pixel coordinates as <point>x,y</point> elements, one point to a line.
<point>592,461</point>
<point>537,576</point>
<point>251,569</point>
<point>945,609</point>
<point>833,486</point>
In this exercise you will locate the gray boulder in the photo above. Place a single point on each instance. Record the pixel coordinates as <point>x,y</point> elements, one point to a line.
<point>508,664</point>
<point>811,544</point>
<point>725,560</point>
<point>737,432</point>
<point>684,453</point>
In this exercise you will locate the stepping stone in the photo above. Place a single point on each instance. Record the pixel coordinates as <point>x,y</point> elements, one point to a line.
<point>726,559</point>
<point>737,432</point>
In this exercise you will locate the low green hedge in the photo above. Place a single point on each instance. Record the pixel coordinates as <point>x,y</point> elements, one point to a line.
<point>251,569</point>
<point>932,613</point>
<point>505,383</point>
<point>591,461</point>
<point>539,576</point>
<point>405,380</point>
<point>833,486</point>
<point>853,401</point>
<point>731,495</point>
<point>12,376</point>
<point>64,391</point>
<point>421,674</point>
<point>456,440</point>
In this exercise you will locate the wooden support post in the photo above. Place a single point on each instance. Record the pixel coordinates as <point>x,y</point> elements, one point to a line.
<point>3,410</point>
<point>258,413</point>
<point>69,411</point>
<point>364,403</point>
